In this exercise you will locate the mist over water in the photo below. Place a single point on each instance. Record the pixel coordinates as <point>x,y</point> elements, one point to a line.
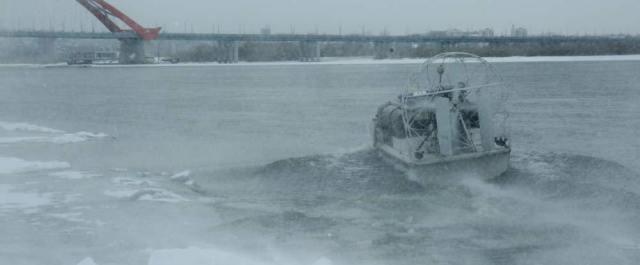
<point>271,164</point>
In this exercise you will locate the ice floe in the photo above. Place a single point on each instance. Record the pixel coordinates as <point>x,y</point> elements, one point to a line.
<point>181,176</point>
<point>87,261</point>
<point>73,175</point>
<point>146,194</point>
<point>20,126</point>
<point>351,61</point>
<point>76,137</point>
<point>71,217</point>
<point>65,138</point>
<point>141,189</point>
<point>41,134</point>
<point>132,181</point>
<point>184,177</point>
<point>11,165</point>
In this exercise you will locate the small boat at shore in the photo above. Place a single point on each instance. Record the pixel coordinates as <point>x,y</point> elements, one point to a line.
<point>449,123</point>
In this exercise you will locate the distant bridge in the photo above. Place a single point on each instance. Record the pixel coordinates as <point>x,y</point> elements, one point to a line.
<point>309,43</point>
<point>133,37</point>
<point>316,37</point>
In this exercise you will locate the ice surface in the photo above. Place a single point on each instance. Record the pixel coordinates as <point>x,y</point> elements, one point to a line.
<point>368,60</point>
<point>130,181</point>
<point>73,175</point>
<point>87,261</point>
<point>41,134</point>
<point>213,256</point>
<point>71,217</point>
<point>10,165</point>
<point>146,194</point>
<point>75,137</point>
<point>199,256</point>
<point>56,139</point>
<point>9,126</point>
<point>357,61</point>
<point>181,175</point>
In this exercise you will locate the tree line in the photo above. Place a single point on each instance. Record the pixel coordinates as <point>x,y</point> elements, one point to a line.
<point>28,51</point>
<point>290,51</point>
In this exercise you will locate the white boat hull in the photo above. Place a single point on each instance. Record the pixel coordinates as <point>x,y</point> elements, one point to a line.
<point>483,165</point>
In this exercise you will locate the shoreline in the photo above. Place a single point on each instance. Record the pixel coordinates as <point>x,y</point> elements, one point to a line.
<point>347,61</point>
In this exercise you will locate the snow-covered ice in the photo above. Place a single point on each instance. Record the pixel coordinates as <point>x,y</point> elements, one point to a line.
<point>181,175</point>
<point>146,194</point>
<point>199,256</point>
<point>65,138</point>
<point>71,217</point>
<point>68,174</point>
<point>369,60</point>
<point>87,261</point>
<point>130,181</point>
<point>11,165</point>
<point>358,61</point>
<point>218,256</point>
<point>32,133</point>
<point>21,126</point>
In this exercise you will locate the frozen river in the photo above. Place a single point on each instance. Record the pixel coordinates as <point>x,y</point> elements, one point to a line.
<point>271,164</point>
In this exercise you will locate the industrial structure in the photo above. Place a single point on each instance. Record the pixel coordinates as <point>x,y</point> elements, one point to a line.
<point>131,44</point>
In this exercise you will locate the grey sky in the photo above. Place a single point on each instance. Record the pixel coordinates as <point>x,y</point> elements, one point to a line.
<point>328,16</point>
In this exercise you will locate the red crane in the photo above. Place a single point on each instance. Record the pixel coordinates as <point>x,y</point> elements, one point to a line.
<point>104,11</point>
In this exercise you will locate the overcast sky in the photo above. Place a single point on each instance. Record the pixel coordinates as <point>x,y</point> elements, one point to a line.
<point>329,16</point>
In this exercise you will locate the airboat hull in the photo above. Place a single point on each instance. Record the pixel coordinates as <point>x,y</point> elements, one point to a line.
<point>450,127</point>
<point>483,165</point>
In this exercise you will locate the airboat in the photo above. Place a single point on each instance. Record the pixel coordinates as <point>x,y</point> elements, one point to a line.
<point>450,121</point>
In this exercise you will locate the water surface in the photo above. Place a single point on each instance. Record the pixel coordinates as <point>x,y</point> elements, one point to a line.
<point>270,164</point>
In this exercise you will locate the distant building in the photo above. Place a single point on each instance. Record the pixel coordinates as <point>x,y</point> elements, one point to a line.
<point>480,33</point>
<point>456,33</point>
<point>487,32</point>
<point>518,32</point>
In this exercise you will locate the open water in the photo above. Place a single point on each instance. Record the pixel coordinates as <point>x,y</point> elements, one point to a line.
<point>271,164</point>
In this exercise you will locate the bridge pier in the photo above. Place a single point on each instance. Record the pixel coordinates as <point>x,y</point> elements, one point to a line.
<point>383,50</point>
<point>131,51</point>
<point>309,51</point>
<point>230,52</point>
